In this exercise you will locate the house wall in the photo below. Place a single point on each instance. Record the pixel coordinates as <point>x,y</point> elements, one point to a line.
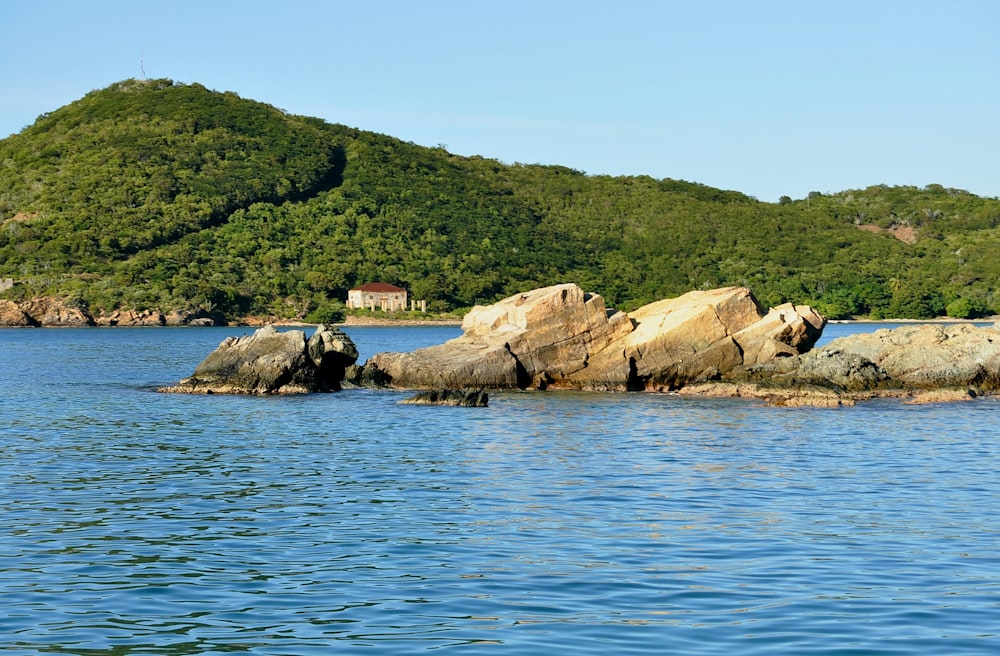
<point>387,301</point>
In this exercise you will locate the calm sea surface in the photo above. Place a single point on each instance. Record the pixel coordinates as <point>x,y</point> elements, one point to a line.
<point>133,522</point>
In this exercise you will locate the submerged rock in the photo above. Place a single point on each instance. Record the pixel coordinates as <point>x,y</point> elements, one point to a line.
<point>463,398</point>
<point>272,362</point>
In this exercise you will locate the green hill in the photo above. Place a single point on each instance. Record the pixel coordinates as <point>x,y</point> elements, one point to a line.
<point>151,194</point>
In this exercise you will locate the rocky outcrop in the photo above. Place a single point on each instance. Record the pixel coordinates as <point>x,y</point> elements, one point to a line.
<point>131,318</point>
<point>700,336</point>
<point>48,311</point>
<point>462,398</point>
<point>530,340</point>
<point>560,337</point>
<point>191,317</point>
<point>12,315</point>
<point>709,343</point>
<point>923,363</point>
<point>273,362</point>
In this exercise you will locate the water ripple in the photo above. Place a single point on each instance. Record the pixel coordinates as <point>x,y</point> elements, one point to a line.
<point>137,523</point>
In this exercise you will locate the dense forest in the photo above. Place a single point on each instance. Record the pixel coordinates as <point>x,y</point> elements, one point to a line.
<point>159,195</point>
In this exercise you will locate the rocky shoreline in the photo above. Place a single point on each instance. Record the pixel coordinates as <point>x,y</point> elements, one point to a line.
<point>49,312</point>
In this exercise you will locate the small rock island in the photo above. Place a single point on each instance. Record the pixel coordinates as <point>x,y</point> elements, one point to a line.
<point>718,342</point>
<point>273,362</point>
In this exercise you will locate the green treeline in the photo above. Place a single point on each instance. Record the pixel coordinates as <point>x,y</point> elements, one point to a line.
<point>151,194</point>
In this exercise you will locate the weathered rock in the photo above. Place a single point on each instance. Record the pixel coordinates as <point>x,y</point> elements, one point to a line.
<point>932,356</point>
<point>48,311</point>
<point>272,362</point>
<point>911,358</point>
<point>131,318</point>
<point>563,338</point>
<point>552,332</point>
<point>675,342</point>
<point>699,336</point>
<point>925,363</point>
<point>829,367</point>
<point>455,364</point>
<point>525,341</point>
<point>190,317</point>
<point>332,351</point>
<point>11,314</point>
<point>463,398</point>
<point>786,330</point>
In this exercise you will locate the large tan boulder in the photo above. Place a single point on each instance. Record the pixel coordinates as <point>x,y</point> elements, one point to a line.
<point>563,338</point>
<point>786,330</point>
<point>528,340</point>
<point>699,336</point>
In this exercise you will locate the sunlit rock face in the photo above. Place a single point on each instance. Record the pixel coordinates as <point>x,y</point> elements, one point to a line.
<point>563,338</point>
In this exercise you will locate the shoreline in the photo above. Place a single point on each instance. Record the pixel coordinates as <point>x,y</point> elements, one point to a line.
<point>948,320</point>
<point>374,321</point>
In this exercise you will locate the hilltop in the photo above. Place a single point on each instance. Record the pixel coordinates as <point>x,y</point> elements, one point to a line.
<point>167,196</point>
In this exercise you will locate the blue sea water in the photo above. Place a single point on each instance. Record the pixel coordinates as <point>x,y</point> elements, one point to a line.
<point>133,522</point>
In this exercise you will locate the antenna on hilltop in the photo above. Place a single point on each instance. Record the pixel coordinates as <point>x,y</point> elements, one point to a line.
<point>142,65</point>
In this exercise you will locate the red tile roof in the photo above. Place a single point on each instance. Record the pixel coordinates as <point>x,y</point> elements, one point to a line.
<point>378,287</point>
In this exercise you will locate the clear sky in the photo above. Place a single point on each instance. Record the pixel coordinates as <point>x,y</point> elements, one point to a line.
<point>767,97</point>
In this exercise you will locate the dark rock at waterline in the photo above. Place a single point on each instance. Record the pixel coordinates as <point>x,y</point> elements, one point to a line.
<point>831,368</point>
<point>463,398</point>
<point>272,362</point>
<point>366,376</point>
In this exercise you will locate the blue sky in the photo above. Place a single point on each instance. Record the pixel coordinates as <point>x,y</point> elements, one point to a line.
<point>769,98</point>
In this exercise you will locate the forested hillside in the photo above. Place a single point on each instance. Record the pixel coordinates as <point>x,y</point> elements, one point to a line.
<point>152,194</point>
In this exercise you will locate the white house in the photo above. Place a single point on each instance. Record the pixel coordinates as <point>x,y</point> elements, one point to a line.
<point>377,296</point>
